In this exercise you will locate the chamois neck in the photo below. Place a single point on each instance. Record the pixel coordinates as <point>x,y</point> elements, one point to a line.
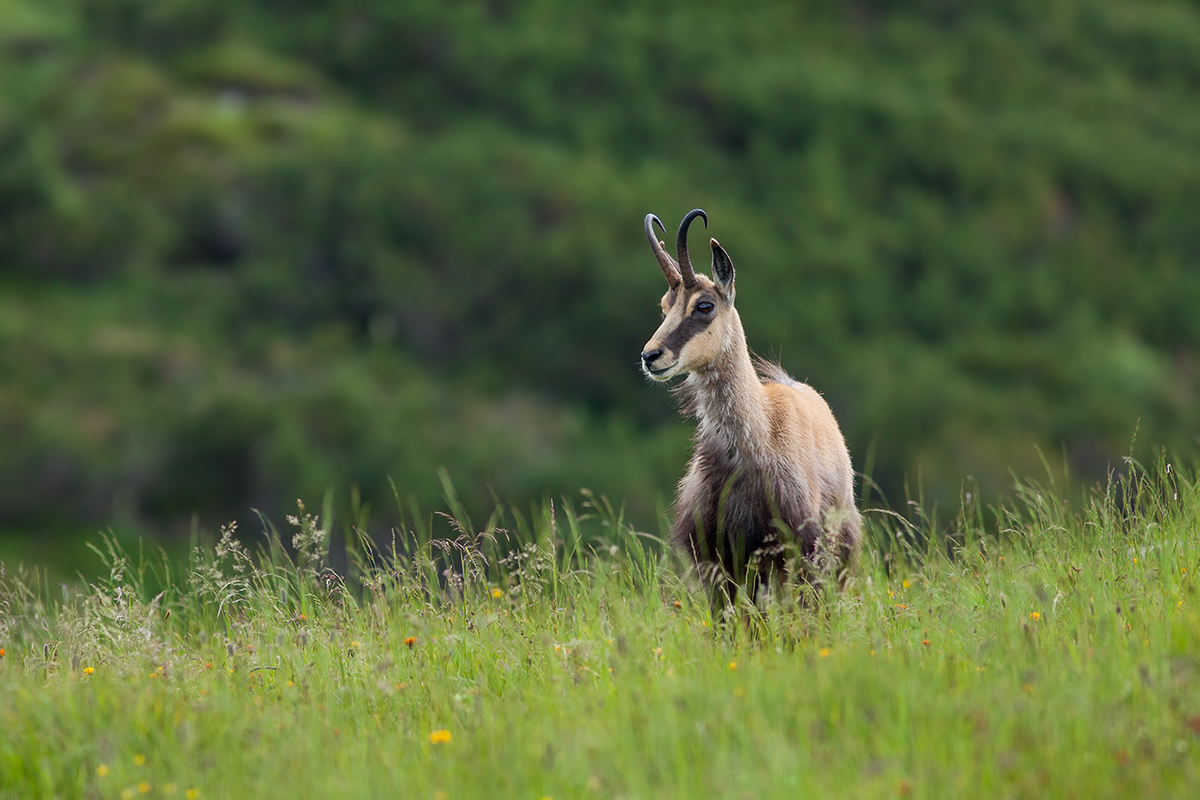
<point>729,400</point>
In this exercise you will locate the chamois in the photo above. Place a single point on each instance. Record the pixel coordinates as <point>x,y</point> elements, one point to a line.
<point>769,477</point>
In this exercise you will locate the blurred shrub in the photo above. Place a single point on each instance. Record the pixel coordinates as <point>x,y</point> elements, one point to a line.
<point>160,27</point>
<point>400,235</point>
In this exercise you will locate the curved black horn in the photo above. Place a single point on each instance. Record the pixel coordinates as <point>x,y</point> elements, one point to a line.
<point>665,261</point>
<point>685,263</point>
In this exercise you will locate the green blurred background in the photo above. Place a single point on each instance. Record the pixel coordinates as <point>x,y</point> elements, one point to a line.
<point>254,250</point>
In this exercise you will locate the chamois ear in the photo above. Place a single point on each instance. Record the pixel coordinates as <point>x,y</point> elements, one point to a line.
<point>722,268</point>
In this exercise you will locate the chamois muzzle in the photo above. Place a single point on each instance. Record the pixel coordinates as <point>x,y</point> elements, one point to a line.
<point>653,368</point>
<point>648,358</point>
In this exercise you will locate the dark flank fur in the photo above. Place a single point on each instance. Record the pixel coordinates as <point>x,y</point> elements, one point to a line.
<point>744,518</point>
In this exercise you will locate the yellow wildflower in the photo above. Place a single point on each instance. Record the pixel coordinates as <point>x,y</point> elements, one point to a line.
<point>144,787</point>
<point>440,736</point>
<point>193,794</point>
<point>733,665</point>
<point>823,652</point>
<point>139,759</point>
<point>88,670</point>
<point>1035,616</point>
<point>497,593</point>
<point>102,770</point>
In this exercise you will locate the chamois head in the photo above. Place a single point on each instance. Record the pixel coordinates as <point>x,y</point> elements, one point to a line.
<point>698,317</point>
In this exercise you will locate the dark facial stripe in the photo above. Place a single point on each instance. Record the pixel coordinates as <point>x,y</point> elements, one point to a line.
<point>692,324</point>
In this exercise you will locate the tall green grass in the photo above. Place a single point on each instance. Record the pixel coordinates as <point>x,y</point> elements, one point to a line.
<point>1027,650</point>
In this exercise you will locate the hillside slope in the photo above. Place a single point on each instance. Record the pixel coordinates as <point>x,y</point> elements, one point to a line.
<point>250,250</point>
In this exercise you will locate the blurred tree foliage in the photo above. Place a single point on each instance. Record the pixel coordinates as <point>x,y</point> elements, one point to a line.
<point>255,248</point>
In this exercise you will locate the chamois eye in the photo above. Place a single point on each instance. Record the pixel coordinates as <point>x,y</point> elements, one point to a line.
<point>704,307</point>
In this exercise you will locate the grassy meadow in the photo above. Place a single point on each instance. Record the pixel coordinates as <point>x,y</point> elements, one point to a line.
<point>1025,650</point>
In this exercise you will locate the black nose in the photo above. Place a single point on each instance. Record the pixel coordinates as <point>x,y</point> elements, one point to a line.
<point>650,357</point>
